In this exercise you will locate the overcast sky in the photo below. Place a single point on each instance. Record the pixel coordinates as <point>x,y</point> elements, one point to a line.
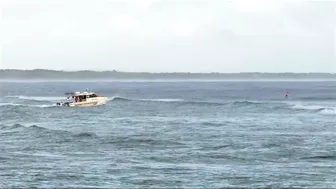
<point>169,35</point>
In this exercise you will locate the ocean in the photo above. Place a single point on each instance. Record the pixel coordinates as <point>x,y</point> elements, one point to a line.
<point>169,135</point>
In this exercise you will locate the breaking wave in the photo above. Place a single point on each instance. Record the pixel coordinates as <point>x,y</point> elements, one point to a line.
<point>163,100</point>
<point>148,100</point>
<point>168,100</point>
<point>321,109</point>
<point>182,101</point>
<point>328,111</point>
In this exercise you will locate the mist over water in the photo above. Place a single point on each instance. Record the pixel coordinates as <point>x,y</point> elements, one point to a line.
<point>169,134</point>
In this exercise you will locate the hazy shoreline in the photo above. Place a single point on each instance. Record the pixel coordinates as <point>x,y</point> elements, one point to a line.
<point>161,81</point>
<point>86,75</point>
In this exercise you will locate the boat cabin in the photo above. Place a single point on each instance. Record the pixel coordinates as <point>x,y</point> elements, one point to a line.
<point>81,97</point>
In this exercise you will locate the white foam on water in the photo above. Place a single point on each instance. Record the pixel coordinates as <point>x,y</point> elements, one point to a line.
<point>329,111</point>
<point>322,109</point>
<point>308,107</point>
<point>37,98</point>
<point>9,104</point>
<point>28,105</point>
<point>148,100</point>
<point>163,100</point>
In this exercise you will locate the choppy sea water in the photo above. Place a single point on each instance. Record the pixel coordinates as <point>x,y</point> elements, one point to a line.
<point>169,134</point>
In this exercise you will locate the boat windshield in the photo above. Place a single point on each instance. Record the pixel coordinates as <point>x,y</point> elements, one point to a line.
<point>93,96</point>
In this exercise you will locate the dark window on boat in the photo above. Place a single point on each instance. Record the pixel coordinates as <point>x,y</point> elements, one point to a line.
<point>93,96</point>
<point>82,98</point>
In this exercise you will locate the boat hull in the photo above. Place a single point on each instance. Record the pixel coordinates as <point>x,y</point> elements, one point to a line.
<point>98,101</point>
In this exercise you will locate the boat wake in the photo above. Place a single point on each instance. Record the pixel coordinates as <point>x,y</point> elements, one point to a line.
<point>37,98</point>
<point>28,105</point>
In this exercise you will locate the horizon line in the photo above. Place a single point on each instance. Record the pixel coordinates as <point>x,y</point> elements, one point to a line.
<point>185,72</point>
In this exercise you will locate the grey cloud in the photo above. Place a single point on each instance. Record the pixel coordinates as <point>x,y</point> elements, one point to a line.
<point>169,35</point>
<point>313,15</point>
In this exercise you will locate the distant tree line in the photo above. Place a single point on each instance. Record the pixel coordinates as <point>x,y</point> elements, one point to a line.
<point>87,74</point>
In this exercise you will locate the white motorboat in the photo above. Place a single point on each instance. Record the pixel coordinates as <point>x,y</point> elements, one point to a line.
<point>83,99</point>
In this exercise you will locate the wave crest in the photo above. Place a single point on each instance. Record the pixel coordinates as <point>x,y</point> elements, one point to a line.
<point>19,126</point>
<point>318,98</point>
<point>36,131</point>
<point>28,105</point>
<point>313,108</point>
<point>37,98</point>
<point>147,100</point>
<point>246,104</point>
